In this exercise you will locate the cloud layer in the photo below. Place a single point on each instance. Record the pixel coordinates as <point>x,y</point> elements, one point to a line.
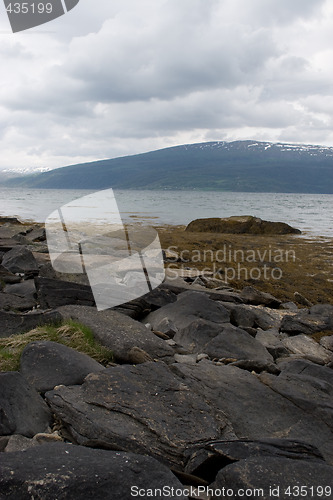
<point>122,77</point>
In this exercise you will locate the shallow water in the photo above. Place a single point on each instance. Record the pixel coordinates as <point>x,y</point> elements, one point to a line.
<point>312,213</point>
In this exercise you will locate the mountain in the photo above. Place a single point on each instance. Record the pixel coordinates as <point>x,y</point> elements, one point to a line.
<point>228,166</point>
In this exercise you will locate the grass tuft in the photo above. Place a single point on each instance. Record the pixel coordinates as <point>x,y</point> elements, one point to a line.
<point>70,333</point>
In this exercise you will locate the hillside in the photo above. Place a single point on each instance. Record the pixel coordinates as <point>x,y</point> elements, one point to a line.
<point>229,166</point>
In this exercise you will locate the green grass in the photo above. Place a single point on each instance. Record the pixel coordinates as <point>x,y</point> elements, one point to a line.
<point>70,333</point>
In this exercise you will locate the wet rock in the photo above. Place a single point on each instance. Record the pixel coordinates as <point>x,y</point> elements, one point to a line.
<point>251,295</point>
<point>47,364</point>
<point>245,224</point>
<point>305,347</point>
<point>66,471</point>
<point>118,332</point>
<point>54,293</point>
<point>189,307</point>
<point>20,260</point>
<point>144,409</point>
<point>12,323</point>
<point>271,477</point>
<point>22,410</point>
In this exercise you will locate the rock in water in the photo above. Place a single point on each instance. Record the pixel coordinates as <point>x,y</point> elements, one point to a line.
<point>245,224</point>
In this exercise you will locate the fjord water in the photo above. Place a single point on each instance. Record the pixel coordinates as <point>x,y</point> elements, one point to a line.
<point>311,213</point>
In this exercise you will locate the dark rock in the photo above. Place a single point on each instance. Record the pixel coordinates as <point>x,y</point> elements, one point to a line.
<point>254,409</point>
<point>303,301</point>
<point>19,297</point>
<point>25,289</point>
<point>143,409</point>
<point>189,307</point>
<point>3,442</point>
<point>290,306</point>
<point>22,410</point>
<point>306,323</point>
<point>248,317</point>
<point>20,260</point>
<point>245,224</point>
<point>159,297</point>
<point>118,332</point>
<point>221,341</point>
<point>7,244</point>
<point>15,303</point>
<point>47,364</point>
<point>269,477</point>
<point>208,461</point>
<point>255,297</point>
<point>64,471</point>
<point>322,310</point>
<point>8,277</point>
<point>305,367</point>
<point>54,293</point>
<point>13,323</point>
<point>312,394</point>
<point>272,341</point>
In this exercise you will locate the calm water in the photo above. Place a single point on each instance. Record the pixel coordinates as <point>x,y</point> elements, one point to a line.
<point>311,213</point>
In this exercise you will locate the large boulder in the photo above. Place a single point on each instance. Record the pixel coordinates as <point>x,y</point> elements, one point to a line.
<point>245,224</point>
<point>254,409</point>
<point>22,409</point>
<point>20,260</point>
<point>118,332</point>
<point>66,471</point>
<point>144,409</point>
<point>47,364</point>
<point>189,307</point>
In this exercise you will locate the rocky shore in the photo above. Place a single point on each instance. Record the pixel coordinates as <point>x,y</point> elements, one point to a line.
<point>212,391</point>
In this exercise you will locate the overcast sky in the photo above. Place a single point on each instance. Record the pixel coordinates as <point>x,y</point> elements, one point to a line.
<point>117,77</point>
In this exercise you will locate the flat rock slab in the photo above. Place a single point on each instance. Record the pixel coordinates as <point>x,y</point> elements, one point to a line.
<point>22,409</point>
<point>13,323</point>
<point>255,410</point>
<point>306,323</point>
<point>118,332</point>
<point>64,471</point>
<point>189,307</point>
<point>144,409</point>
<point>263,476</point>
<point>47,364</point>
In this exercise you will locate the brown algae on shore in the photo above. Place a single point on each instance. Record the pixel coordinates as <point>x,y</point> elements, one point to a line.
<point>279,264</point>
